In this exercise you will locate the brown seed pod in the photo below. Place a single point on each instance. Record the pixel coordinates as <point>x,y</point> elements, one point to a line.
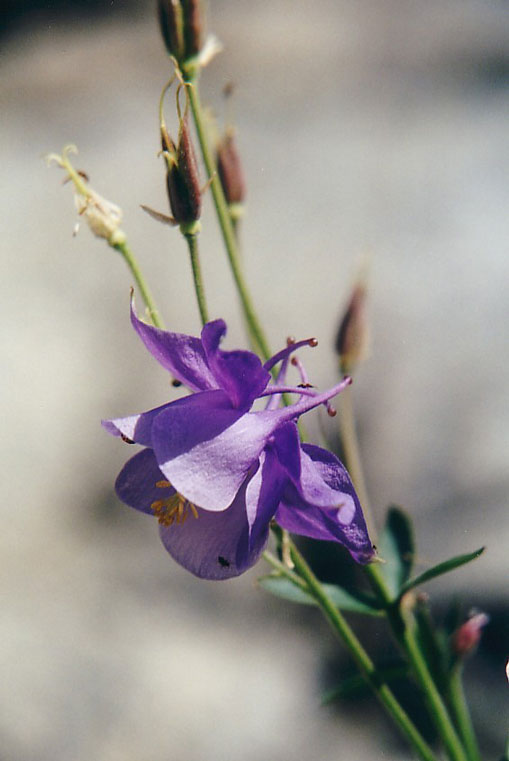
<point>193,27</point>
<point>352,338</point>
<point>230,170</point>
<point>171,22</point>
<point>182,179</point>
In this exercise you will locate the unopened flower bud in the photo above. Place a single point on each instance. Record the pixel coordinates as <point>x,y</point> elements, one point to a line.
<point>181,23</point>
<point>466,638</point>
<point>230,169</point>
<point>352,342</point>
<point>103,217</point>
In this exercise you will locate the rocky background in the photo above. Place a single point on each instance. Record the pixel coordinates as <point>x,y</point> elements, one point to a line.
<point>376,128</point>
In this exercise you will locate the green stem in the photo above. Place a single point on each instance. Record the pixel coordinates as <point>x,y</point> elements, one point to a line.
<point>360,656</point>
<point>461,714</point>
<point>146,295</point>
<point>353,462</point>
<point>403,631</point>
<point>192,242</point>
<point>283,570</point>
<point>224,219</point>
<point>403,627</point>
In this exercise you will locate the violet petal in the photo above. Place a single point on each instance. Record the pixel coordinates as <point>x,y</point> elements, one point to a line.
<point>345,525</point>
<point>136,482</point>
<point>240,373</point>
<point>182,355</point>
<point>209,546</point>
<point>136,428</point>
<point>263,493</point>
<point>287,445</point>
<point>208,453</point>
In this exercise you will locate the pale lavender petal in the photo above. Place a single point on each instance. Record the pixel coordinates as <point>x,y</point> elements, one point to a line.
<point>345,524</point>
<point>240,373</point>
<point>182,355</point>
<point>208,456</point>
<point>213,546</point>
<point>314,487</point>
<point>136,482</point>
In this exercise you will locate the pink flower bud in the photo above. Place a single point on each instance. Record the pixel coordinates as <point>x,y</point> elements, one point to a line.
<point>466,638</point>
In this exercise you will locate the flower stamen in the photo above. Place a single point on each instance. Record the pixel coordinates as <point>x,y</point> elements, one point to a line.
<point>174,509</point>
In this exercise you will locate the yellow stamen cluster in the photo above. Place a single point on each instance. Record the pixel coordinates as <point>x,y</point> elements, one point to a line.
<point>174,509</point>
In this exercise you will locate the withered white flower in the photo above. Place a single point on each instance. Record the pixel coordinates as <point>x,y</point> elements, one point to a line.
<point>102,216</point>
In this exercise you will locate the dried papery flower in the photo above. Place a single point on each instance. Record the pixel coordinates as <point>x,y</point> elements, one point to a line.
<point>352,342</point>
<point>466,638</point>
<point>102,216</point>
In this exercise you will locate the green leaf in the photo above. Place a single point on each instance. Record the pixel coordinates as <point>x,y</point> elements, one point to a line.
<point>357,684</point>
<point>289,590</point>
<point>396,549</point>
<point>441,568</point>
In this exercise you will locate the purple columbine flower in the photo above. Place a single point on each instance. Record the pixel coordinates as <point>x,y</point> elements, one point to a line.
<point>215,473</point>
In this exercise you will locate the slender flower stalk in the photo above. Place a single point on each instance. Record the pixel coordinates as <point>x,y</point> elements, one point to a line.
<point>461,713</point>
<point>403,627</point>
<point>136,272</point>
<point>224,219</point>
<point>360,656</point>
<point>192,242</point>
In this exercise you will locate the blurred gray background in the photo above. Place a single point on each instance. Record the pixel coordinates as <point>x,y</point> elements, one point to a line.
<point>376,128</point>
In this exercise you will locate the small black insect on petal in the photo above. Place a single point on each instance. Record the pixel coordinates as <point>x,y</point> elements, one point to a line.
<point>223,562</point>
